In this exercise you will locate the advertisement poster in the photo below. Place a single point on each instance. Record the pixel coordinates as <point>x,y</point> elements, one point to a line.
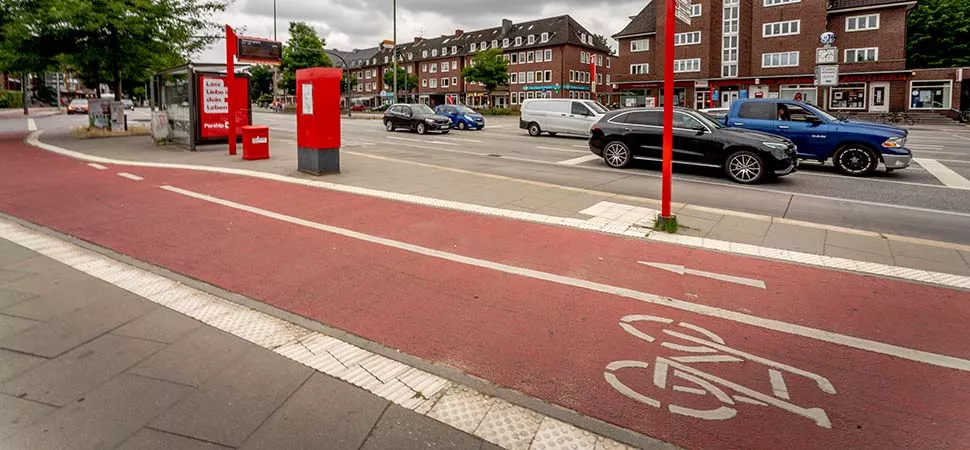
<point>214,106</point>
<point>651,102</point>
<point>307,99</point>
<point>99,114</point>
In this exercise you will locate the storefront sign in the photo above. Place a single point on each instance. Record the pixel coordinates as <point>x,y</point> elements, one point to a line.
<point>651,102</point>
<point>744,93</point>
<point>827,75</point>
<point>715,95</point>
<point>572,87</point>
<point>849,78</point>
<point>683,11</point>
<point>548,87</point>
<point>701,84</point>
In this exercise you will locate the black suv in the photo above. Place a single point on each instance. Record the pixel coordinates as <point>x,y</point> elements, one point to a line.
<point>746,156</point>
<point>415,117</point>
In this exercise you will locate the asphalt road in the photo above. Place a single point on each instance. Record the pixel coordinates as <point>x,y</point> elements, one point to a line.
<point>925,200</point>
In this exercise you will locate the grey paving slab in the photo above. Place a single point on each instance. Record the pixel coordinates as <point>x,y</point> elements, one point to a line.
<point>195,358</point>
<point>868,244</point>
<point>11,253</point>
<point>324,413</point>
<point>9,297</point>
<point>66,332</point>
<point>17,414</point>
<point>10,325</point>
<point>693,212</point>
<point>743,225</point>
<point>927,253</point>
<point>793,237</point>
<point>13,363</point>
<point>69,377</point>
<point>148,439</point>
<point>161,325</point>
<point>966,257</point>
<point>230,406</point>
<point>7,276</point>
<point>695,226</point>
<point>933,266</point>
<point>401,429</point>
<point>732,235</point>
<point>858,255</point>
<point>108,416</point>
<point>49,275</point>
<point>64,300</point>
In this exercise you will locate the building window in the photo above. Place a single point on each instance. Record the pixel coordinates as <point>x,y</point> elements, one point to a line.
<point>483,46</point>
<point>424,54</point>
<point>640,45</point>
<point>454,65</point>
<point>445,82</point>
<point>781,59</point>
<point>515,99</point>
<point>787,28</point>
<point>583,58</point>
<point>544,37</point>
<point>572,76</point>
<point>530,57</point>
<point>931,94</point>
<point>530,77</point>
<point>862,23</point>
<point>434,68</point>
<point>454,49</point>
<point>858,55</point>
<point>521,77</point>
<point>608,79</point>
<point>518,41</point>
<point>548,75</point>
<point>599,78</point>
<point>505,43</point>
<point>547,55</point>
<point>639,69</point>
<point>434,52</point>
<point>514,58</point>
<point>538,57</point>
<point>474,47</point>
<point>495,44</point>
<point>607,62</point>
<point>521,57</point>
<point>538,76</point>
<point>532,39</point>
<point>689,38</point>
<point>424,82</point>
<point>513,78</point>
<point>444,66</point>
<point>780,2</point>
<point>799,92</point>
<point>454,81</point>
<point>848,96</point>
<point>433,83</point>
<point>687,65</point>
<point>696,10</point>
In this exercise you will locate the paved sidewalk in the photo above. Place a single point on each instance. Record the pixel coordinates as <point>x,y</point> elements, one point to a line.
<point>87,365</point>
<point>599,210</point>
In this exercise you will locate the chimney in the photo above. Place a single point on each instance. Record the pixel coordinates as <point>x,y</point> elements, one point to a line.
<point>458,33</point>
<point>506,26</point>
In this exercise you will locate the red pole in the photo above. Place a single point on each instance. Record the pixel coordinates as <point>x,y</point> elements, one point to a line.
<point>668,136</point>
<point>230,82</point>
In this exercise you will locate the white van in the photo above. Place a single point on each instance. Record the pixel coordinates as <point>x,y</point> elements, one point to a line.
<point>560,115</point>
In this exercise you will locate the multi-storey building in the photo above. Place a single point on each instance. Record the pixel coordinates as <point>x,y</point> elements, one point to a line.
<point>767,49</point>
<point>548,58</point>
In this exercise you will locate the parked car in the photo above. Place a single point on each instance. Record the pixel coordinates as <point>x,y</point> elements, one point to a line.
<point>855,148</point>
<point>415,117</point>
<point>745,156</point>
<point>560,115</point>
<point>462,117</point>
<point>128,104</point>
<point>357,108</point>
<point>380,108</point>
<point>78,106</point>
<point>717,113</point>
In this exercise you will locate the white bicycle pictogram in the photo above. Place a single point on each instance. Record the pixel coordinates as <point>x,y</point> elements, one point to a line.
<point>704,347</point>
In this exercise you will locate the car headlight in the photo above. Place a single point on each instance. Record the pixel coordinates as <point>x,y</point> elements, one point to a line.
<point>775,145</point>
<point>895,142</point>
<point>429,120</point>
<point>467,117</point>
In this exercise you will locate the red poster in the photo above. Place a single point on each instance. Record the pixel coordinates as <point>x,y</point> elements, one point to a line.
<point>214,106</point>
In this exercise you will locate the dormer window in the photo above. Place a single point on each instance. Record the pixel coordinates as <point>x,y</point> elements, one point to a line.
<point>454,49</point>
<point>444,51</point>
<point>434,52</point>
<point>385,60</point>
<point>494,43</point>
<point>518,41</point>
<point>505,43</point>
<point>424,54</point>
<point>544,37</point>
<point>483,46</point>
<point>474,46</point>
<point>532,39</point>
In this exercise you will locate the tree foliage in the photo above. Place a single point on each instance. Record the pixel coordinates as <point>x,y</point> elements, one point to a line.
<point>303,50</point>
<point>602,41</point>
<point>939,34</point>
<point>260,80</point>
<point>489,68</point>
<point>348,82</point>
<point>406,82</point>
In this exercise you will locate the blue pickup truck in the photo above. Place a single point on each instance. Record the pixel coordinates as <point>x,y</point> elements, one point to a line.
<point>855,148</point>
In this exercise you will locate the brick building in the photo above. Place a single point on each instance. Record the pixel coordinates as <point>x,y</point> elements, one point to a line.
<point>547,58</point>
<point>767,49</point>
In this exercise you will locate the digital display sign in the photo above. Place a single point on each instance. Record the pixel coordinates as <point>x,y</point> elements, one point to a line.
<point>259,50</point>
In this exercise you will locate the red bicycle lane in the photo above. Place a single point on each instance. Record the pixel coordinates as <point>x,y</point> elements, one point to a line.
<point>546,339</point>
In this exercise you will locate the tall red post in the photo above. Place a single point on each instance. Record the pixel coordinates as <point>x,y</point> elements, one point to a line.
<point>668,131</point>
<point>230,85</point>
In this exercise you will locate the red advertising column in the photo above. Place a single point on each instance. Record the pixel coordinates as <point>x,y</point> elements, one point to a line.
<point>318,120</point>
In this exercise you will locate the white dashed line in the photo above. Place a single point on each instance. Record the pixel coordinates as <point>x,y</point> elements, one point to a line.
<point>130,176</point>
<point>31,125</point>
<point>580,160</point>
<point>943,173</point>
<point>560,149</point>
<point>97,166</point>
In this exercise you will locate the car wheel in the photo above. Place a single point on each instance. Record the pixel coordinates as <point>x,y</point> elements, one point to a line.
<point>745,167</point>
<point>534,129</point>
<point>617,154</point>
<point>856,160</point>
<point>462,126</point>
<point>388,125</point>
<point>421,128</point>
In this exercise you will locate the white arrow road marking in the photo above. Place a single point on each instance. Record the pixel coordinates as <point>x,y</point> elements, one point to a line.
<point>681,270</point>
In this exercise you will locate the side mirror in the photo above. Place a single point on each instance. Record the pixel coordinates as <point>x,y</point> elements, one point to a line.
<point>700,130</point>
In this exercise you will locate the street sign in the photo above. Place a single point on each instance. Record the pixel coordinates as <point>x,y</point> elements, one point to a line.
<point>683,11</point>
<point>827,75</point>
<point>260,51</point>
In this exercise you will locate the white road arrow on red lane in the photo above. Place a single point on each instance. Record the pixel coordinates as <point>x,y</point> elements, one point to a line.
<point>681,270</point>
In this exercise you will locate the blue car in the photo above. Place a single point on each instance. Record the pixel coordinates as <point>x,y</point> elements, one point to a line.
<point>462,117</point>
<point>855,148</point>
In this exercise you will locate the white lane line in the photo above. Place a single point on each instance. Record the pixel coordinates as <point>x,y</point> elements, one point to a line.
<point>957,161</point>
<point>287,130</point>
<point>778,385</point>
<point>423,141</point>
<point>580,160</point>
<point>770,324</point>
<point>560,149</point>
<point>582,146</point>
<point>960,137</point>
<point>474,141</point>
<point>130,176</point>
<point>31,125</point>
<point>943,173</point>
<point>938,153</point>
<point>681,270</point>
<point>412,388</point>
<point>97,166</point>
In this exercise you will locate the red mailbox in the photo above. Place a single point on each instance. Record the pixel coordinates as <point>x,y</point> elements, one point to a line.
<point>318,120</point>
<point>255,142</point>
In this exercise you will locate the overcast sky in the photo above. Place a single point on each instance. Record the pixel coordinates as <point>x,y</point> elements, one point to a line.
<point>349,24</point>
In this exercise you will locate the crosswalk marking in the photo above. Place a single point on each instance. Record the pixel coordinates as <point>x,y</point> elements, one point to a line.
<point>943,173</point>
<point>580,160</point>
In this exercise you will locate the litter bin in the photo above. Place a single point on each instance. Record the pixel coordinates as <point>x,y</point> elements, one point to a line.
<point>255,142</point>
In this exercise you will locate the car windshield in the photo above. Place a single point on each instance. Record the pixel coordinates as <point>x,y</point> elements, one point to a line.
<point>596,107</point>
<point>824,115</point>
<point>79,102</point>
<point>466,110</point>
<point>421,109</point>
<point>708,120</point>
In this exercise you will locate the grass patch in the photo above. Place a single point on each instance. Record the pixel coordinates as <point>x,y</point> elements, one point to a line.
<point>90,132</point>
<point>668,224</point>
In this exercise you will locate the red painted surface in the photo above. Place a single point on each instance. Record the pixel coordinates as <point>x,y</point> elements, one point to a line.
<point>548,340</point>
<point>214,96</point>
<point>320,129</point>
<point>255,142</point>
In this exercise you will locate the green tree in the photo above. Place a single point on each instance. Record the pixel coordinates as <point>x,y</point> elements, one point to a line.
<point>348,83</point>
<point>601,41</point>
<point>939,34</point>
<point>406,82</point>
<point>303,50</point>
<point>260,81</point>
<point>489,68</point>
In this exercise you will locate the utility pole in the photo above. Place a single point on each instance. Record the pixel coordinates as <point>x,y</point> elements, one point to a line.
<point>23,91</point>
<point>57,83</point>
<point>276,68</point>
<point>394,48</point>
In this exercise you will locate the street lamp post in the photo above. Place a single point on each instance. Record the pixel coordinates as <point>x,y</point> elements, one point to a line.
<point>346,76</point>
<point>394,47</point>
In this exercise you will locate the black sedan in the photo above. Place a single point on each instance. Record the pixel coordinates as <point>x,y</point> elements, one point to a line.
<point>415,117</point>
<point>746,156</point>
